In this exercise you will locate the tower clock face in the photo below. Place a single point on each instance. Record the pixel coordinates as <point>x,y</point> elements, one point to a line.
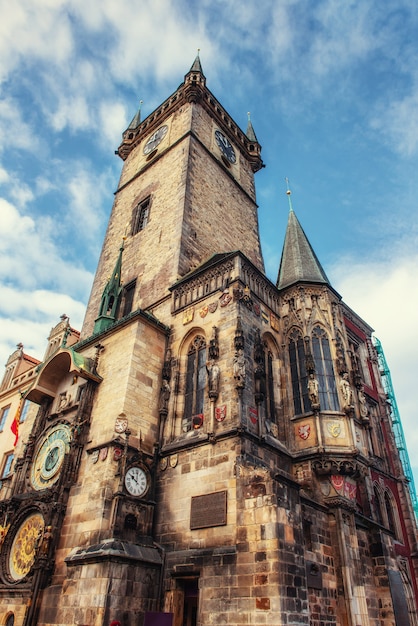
<point>225,146</point>
<point>136,481</point>
<point>49,457</point>
<point>155,139</point>
<point>25,544</point>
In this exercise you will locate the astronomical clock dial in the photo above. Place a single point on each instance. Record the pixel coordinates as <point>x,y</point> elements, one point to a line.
<point>225,146</point>
<point>155,139</point>
<point>49,457</point>
<point>25,545</point>
<point>136,481</point>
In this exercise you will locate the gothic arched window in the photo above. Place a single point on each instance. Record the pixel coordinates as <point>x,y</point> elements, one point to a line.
<point>270,406</point>
<point>389,513</point>
<point>377,506</point>
<point>298,373</point>
<point>195,381</point>
<point>324,369</point>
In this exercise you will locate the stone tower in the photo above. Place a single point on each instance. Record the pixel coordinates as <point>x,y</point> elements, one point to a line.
<point>214,448</point>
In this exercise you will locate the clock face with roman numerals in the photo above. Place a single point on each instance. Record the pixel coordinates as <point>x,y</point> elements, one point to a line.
<point>225,146</point>
<point>136,481</point>
<point>155,139</point>
<point>49,457</point>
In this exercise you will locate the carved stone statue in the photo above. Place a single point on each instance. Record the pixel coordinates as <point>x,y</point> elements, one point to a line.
<point>3,533</point>
<point>164,396</point>
<point>46,540</point>
<point>364,411</point>
<point>346,392</point>
<point>239,368</point>
<point>214,374</point>
<point>313,391</point>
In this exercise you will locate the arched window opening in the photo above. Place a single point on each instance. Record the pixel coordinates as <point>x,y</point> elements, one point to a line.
<point>377,507</point>
<point>324,370</point>
<point>389,513</point>
<point>299,374</point>
<point>270,405</point>
<point>10,620</point>
<point>195,383</point>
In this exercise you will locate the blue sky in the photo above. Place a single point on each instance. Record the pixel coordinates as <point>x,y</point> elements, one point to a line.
<point>332,87</point>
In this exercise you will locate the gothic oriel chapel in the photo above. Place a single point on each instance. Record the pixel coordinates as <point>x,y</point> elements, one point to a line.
<point>212,448</point>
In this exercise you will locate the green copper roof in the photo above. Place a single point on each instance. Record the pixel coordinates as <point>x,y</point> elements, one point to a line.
<point>299,262</point>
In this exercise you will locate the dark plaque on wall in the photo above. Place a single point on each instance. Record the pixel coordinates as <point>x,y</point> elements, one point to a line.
<point>208,510</point>
<point>158,619</point>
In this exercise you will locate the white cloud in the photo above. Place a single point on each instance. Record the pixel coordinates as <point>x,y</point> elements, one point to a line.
<point>15,132</point>
<point>85,194</point>
<point>30,315</point>
<point>33,31</point>
<point>29,257</point>
<point>113,120</point>
<point>398,123</point>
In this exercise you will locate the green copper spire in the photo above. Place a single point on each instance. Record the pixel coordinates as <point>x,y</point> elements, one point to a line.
<point>111,298</point>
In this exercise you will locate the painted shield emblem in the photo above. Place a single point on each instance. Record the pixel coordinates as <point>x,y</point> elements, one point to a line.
<point>334,429</point>
<point>188,315</point>
<point>253,413</point>
<point>274,322</point>
<point>197,421</point>
<point>204,311</point>
<point>304,430</point>
<point>337,482</point>
<point>225,299</point>
<point>220,413</point>
<point>212,307</point>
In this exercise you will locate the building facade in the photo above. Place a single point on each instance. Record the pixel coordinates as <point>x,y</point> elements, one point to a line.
<point>213,447</point>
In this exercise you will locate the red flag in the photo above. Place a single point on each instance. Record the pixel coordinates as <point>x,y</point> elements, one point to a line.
<point>15,424</point>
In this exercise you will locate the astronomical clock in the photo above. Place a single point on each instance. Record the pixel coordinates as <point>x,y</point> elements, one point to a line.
<point>31,518</point>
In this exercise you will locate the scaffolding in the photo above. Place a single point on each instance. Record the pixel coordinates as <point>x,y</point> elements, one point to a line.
<point>396,422</point>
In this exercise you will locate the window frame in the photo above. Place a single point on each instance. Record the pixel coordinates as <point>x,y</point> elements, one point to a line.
<point>128,297</point>
<point>140,215</point>
<point>6,468</point>
<point>298,372</point>
<point>324,369</point>
<point>3,416</point>
<point>195,381</point>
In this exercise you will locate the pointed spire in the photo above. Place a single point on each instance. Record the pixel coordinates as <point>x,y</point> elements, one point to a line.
<point>250,130</point>
<point>197,66</point>
<point>195,81</point>
<point>136,120</point>
<point>111,297</point>
<point>299,262</point>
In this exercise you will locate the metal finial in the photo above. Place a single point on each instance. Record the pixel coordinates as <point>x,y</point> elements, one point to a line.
<point>289,193</point>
